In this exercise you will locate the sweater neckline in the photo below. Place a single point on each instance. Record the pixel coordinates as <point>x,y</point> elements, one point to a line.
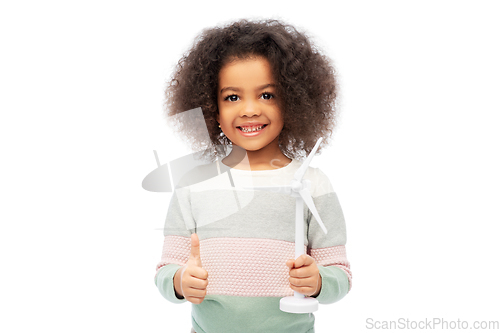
<point>287,167</point>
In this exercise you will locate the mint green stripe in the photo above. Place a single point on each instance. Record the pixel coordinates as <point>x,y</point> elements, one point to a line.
<point>229,314</point>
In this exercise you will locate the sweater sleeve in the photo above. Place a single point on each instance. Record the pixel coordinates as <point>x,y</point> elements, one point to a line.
<point>164,280</point>
<point>176,244</point>
<point>329,250</point>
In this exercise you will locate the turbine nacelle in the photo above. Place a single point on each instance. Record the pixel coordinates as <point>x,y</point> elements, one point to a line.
<point>297,186</point>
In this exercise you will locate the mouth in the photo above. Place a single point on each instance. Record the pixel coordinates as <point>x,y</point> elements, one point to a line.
<point>251,130</point>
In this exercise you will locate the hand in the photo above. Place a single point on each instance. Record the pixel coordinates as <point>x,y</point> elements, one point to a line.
<point>304,276</point>
<point>191,281</point>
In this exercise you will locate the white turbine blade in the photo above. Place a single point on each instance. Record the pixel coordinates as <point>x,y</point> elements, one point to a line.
<point>306,196</point>
<point>287,189</point>
<point>302,170</point>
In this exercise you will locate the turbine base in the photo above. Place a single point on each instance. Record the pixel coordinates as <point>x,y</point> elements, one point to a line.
<point>293,304</point>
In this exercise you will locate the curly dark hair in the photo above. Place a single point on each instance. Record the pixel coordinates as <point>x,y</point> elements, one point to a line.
<point>305,78</point>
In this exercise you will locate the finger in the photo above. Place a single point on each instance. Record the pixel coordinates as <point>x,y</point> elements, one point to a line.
<point>290,263</point>
<point>195,300</point>
<point>195,250</point>
<point>307,291</point>
<point>197,272</point>
<point>197,293</point>
<point>304,272</point>
<point>303,260</point>
<point>308,282</point>
<point>195,283</point>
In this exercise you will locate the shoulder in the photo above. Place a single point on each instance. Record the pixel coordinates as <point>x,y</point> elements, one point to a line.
<point>195,175</point>
<point>205,177</point>
<point>320,183</point>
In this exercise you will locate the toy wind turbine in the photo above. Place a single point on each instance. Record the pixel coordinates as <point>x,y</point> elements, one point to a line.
<point>299,189</point>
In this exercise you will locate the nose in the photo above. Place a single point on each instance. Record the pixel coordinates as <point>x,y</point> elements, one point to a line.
<point>250,108</point>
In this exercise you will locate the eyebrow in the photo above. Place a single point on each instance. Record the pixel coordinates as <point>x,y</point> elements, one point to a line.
<point>267,85</point>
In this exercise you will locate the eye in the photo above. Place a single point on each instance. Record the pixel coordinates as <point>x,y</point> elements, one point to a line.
<point>231,98</point>
<point>267,95</point>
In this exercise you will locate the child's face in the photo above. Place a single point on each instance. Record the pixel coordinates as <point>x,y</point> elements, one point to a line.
<point>249,114</point>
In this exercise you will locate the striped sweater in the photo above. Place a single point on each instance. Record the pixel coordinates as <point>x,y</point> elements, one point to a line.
<point>246,237</point>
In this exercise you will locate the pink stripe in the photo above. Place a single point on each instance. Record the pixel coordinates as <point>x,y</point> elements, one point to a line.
<point>333,256</point>
<point>247,266</point>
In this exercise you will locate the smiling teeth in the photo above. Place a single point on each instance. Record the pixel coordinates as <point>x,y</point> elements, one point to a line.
<point>251,129</point>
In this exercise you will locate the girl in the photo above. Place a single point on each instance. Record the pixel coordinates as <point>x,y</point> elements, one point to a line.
<point>266,95</point>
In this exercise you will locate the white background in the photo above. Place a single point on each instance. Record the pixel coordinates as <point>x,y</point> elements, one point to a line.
<point>414,159</point>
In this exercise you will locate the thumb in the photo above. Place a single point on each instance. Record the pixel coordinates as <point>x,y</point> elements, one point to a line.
<point>195,250</point>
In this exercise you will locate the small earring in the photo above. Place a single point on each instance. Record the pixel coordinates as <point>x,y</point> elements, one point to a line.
<point>219,125</point>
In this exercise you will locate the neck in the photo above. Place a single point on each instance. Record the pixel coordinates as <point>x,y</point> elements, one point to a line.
<point>267,158</point>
